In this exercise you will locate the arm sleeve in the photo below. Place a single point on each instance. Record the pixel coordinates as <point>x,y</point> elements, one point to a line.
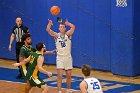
<point>25,29</point>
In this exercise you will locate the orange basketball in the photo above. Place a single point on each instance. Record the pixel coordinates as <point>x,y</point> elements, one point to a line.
<point>55,10</point>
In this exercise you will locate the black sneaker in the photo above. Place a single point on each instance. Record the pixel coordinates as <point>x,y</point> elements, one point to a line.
<point>19,76</point>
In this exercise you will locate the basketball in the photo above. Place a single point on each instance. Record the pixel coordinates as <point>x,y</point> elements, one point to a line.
<point>55,10</point>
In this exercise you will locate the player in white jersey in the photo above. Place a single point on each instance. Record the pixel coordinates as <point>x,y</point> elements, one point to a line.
<point>63,46</point>
<point>89,84</point>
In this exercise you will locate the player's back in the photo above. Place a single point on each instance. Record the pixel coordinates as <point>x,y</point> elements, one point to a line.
<point>93,85</point>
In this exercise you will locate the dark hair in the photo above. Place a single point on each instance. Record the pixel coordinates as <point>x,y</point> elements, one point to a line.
<point>24,37</point>
<point>39,46</point>
<point>86,69</point>
<point>62,23</point>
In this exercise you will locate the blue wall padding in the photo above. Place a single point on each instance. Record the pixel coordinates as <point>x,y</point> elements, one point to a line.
<point>102,34</point>
<point>121,39</point>
<point>136,40</point>
<point>106,37</point>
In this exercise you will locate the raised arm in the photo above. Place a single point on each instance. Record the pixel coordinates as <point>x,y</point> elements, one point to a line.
<point>11,41</point>
<point>40,61</point>
<point>72,28</point>
<point>49,30</point>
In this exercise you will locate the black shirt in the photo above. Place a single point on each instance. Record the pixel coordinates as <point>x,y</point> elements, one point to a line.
<point>19,31</point>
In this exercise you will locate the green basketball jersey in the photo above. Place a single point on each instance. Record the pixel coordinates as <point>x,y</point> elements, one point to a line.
<point>33,69</point>
<point>26,51</point>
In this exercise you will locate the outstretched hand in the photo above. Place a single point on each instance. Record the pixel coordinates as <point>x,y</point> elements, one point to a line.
<point>53,51</point>
<point>16,64</point>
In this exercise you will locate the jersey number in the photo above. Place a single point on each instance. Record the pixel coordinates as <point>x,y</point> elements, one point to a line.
<point>95,85</point>
<point>63,44</point>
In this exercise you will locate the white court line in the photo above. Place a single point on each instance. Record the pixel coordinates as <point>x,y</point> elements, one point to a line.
<point>25,83</point>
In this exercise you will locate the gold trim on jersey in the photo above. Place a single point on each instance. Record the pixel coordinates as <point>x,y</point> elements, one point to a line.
<point>35,73</point>
<point>23,66</point>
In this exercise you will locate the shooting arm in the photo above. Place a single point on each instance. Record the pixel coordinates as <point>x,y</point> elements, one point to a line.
<point>72,28</point>
<point>48,29</point>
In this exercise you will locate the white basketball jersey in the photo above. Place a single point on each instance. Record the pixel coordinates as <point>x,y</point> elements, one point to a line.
<point>93,85</point>
<point>63,45</point>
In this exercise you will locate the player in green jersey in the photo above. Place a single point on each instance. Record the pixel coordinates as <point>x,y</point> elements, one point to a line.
<point>36,60</point>
<point>25,52</point>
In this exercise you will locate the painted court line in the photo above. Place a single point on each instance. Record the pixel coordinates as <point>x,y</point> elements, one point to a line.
<point>107,85</point>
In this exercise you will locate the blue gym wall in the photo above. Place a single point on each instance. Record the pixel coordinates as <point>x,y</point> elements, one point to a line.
<point>106,37</point>
<point>122,39</point>
<point>136,33</point>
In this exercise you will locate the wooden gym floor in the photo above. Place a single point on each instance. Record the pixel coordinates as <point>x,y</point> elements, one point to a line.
<point>110,83</point>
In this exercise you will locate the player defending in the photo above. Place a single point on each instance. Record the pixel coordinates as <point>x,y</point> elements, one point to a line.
<point>25,52</point>
<point>36,60</point>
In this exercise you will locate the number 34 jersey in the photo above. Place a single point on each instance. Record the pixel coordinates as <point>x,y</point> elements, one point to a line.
<point>93,85</point>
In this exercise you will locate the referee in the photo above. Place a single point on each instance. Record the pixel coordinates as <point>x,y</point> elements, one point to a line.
<point>18,31</point>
